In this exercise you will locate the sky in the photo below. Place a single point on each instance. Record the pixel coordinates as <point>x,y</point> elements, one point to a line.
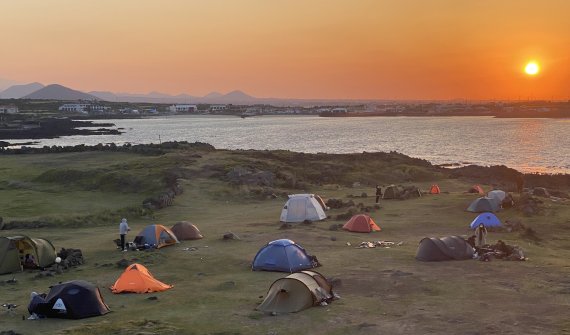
<point>309,49</point>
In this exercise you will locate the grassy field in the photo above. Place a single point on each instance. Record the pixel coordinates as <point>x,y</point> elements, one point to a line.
<point>383,291</point>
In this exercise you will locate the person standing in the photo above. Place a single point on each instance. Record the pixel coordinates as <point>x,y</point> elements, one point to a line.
<point>481,235</point>
<point>123,230</point>
<point>378,193</point>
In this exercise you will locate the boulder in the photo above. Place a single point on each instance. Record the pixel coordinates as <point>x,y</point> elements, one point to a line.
<point>540,192</point>
<point>230,236</point>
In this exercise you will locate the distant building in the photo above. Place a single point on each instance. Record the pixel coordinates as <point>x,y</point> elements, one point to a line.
<point>74,108</point>
<point>8,109</point>
<point>183,108</point>
<point>339,110</point>
<point>216,108</point>
<point>99,109</point>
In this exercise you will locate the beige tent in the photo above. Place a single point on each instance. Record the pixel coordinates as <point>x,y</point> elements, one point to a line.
<point>13,249</point>
<point>184,230</point>
<point>296,292</point>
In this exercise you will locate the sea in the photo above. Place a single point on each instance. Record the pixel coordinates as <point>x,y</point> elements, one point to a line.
<point>528,145</point>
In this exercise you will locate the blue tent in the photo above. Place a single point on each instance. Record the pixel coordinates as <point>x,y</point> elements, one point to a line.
<point>282,255</point>
<point>156,235</point>
<point>487,219</point>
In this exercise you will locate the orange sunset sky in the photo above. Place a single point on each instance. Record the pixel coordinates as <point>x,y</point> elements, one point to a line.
<point>357,49</point>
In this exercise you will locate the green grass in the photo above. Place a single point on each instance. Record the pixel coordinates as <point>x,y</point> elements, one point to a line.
<point>383,291</point>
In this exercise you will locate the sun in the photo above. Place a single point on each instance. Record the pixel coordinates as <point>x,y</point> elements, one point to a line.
<point>532,68</point>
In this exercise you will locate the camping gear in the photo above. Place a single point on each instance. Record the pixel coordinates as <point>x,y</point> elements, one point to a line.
<point>296,292</point>
<point>75,299</point>
<point>487,219</point>
<point>137,279</point>
<point>301,207</point>
<point>13,250</point>
<point>361,223</point>
<point>476,189</point>
<point>483,204</point>
<point>156,236</point>
<point>447,248</point>
<point>282,255</point>
<point>434,189</point>
<point>184,230</point>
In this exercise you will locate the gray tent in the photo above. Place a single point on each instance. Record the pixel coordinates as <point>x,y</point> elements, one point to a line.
<point>498,195</point>
<point>433,249</point>
<point>296,292</point>
<point>484,204</point>
<point>392,192</point>
<point>13,249</point>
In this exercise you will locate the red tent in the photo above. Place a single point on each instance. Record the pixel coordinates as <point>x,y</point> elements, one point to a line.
<point>361,223</point>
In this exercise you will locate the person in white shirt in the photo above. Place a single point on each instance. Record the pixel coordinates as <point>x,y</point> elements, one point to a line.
<point>123,230</point>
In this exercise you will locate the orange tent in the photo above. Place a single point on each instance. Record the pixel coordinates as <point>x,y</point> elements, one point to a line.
<point>476,189</point>
<point>434,189</point>
<point>361,223</point>
<point>137,279</point>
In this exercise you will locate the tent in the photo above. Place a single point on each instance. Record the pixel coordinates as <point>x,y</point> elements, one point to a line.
<point>498,195</point>
<point>483,204</point>
<point>13,249</point>
<point>296,292</point>
<point>487,219</point>
<point>476,189</point>
<point>156,235</point>
<point>301,207</point>
<point>282,255</point>
<point>75,299</point>
<point>434,189</point>
<point>137,279</point>
<point>361,223</point>
<point>321,202</point>
<point>443,249</point>
<point>184,230</point>
<point>392,192</point>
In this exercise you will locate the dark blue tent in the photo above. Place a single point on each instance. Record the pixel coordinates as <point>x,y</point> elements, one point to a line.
<point>282,255</point>
<point>487,219</point>
<point>76,299</point>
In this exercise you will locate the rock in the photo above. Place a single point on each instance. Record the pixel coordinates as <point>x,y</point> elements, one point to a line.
<point>230,236</point>
<point>364,195</point>
<point>540,192</point>
<point>333,238</point>
<point>123,263</point>
<point>152,298</point>
<point>336,226</point>
<point>307,222</point>
<point>9,332</point>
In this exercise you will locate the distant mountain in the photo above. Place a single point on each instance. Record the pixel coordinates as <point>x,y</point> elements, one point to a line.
<point>105,95</point>
<point>18,91</point>
<point>58,92</point>
<point>213,95</point>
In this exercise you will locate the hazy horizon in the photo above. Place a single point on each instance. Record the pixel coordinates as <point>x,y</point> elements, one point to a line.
<point>321,50</point>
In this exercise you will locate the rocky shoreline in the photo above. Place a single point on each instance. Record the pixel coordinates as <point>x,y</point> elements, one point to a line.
<point>52,128</point>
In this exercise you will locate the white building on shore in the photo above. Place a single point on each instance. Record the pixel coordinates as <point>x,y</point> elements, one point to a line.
<point>8,109</point>
<point>217,108</point>
<point>184,108</point>
<point>74,108</point>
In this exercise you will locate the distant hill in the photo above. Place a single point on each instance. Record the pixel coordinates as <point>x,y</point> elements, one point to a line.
<point>18,91</point>
<point>58,92</point>
<point>104,95</point>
